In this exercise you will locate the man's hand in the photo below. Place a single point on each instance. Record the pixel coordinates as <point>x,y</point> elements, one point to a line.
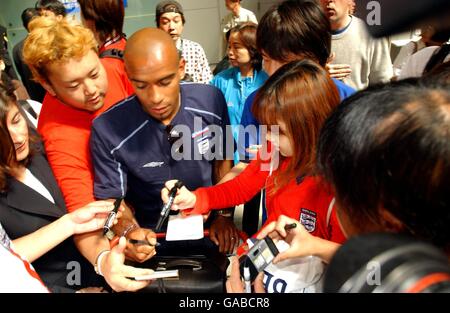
<point>141,252</point>
<point>117,274</point>
<point>338,71</point>
<point>224,233</point>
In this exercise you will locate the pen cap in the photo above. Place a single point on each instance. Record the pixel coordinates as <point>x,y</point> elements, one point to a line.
<point>179,184</point>
<point>117,203</point>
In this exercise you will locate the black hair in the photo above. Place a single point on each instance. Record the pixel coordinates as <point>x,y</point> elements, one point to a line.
<point>389,148</point>
<point>51,5</point>
<point>27,15</point>
<point>298,28</point>
<point>440,74</point>
<point>437,58</point>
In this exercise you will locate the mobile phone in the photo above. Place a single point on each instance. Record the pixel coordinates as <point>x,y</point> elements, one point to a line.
<point>158,274</point>
<point>258,257</point>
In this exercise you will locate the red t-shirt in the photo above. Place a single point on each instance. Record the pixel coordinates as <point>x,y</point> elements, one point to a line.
<point>66,132</point>
<point>307,201</point>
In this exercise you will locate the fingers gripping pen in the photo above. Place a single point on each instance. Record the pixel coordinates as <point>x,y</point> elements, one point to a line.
<point>111,217</point>
<point>166,207</point>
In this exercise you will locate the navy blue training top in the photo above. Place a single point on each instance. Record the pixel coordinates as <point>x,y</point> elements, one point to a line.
<point>132,155</point>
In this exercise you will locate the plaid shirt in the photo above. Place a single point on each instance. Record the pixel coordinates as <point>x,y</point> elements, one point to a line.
<point>197,66</point>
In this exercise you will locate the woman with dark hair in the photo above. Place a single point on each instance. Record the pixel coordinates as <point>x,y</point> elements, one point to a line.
<point>246,75</point>
<point>32,209</point>
<point>294,102</point>
<point>105,19</point>
<point>386,153</point>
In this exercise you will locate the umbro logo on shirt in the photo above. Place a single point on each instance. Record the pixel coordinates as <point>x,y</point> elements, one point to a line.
<point>154,164</point>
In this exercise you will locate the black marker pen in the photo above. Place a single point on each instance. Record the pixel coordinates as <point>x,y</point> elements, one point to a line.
<point>288,227</point>
<point>166,207</point>
<point>111,217</point>
<point>143,242</point>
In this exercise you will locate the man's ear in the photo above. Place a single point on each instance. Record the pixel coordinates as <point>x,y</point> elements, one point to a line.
<point>389,222</point>
<point>181,68</point>
<point>47,86</point>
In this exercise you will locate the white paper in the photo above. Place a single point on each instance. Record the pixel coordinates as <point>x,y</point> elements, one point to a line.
<point>184,228</point>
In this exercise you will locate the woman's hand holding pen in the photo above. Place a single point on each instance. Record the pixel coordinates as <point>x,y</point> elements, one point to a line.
<point>135,249</point>
<point>183,200</point>
<point>90,217</point>
<point>301,242</point>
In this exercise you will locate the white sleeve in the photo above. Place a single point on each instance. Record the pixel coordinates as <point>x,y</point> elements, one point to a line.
<point>415,64</point>
<point>405,52</point>
<point>252,18</point>
<point>18,276</point>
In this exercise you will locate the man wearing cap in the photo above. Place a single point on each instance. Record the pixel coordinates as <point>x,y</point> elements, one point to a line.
<point>170,18</point>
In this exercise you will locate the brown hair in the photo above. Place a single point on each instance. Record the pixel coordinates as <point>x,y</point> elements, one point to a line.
<point>7,150</point>
<point>302,95</point>
<point>51,41</point>
<point>108,16</point>
<point>247,35</point>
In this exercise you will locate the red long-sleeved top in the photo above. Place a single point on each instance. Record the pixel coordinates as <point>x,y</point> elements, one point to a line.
<point>66,132</point>
<point>307,200</point>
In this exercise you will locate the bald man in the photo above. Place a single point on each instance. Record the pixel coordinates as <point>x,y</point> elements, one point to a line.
<point>166,131</point>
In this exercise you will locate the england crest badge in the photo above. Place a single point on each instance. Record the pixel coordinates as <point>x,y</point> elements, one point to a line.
<point>308,219</point>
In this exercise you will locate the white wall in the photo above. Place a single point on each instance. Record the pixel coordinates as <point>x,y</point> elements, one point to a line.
<point>202,19</point>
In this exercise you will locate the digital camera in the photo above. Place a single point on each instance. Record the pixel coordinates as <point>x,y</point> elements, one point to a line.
<point>258,257</point>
